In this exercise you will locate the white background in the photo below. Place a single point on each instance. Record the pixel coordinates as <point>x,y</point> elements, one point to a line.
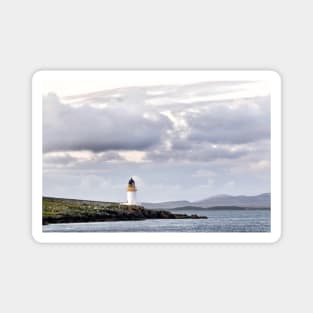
<point>160,34</point>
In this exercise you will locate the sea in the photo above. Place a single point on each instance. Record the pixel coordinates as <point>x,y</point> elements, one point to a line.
<point>241,221</point>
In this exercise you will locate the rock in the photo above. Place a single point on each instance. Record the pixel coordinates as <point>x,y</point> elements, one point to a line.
<point>74,211</point>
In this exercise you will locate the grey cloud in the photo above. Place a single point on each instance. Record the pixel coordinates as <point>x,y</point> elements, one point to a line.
<point>196,154</point>
<point>59,160</point>
<point>96,160</point>
<point>227,136</point>
<point>108,156</point>
<point>228,126</point>
<point>124,127</point>
<point>94,129</point>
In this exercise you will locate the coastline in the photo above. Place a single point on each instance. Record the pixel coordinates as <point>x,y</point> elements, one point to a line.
<point>59,210</point>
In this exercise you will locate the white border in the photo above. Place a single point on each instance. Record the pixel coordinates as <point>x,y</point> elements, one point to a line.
<point>273,77</point>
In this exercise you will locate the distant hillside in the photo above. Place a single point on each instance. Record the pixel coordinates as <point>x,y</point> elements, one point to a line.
<point>231,207</point>
<point>262,200</point>
<point>259,201</point>
<point>166,205</point>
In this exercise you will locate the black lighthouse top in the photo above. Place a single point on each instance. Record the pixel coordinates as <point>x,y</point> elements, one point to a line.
<point>131,182</point>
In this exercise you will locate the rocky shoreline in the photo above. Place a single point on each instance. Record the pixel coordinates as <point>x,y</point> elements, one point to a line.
<point>57,210</point>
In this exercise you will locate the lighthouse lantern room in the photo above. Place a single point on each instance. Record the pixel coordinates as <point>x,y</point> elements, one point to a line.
<point>131,192</point>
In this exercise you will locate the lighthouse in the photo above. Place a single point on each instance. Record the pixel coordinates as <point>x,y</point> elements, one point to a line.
<point>131,192</point>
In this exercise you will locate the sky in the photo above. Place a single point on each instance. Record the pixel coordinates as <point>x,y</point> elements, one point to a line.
<point>180,138</point>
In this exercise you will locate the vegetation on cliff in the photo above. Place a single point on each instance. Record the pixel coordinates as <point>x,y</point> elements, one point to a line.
<point>57,210</point>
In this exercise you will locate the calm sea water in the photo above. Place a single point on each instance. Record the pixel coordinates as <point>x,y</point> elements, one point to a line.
<point>218,221</point>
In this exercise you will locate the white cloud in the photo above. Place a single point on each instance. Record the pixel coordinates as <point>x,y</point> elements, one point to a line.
<point>133,156</point>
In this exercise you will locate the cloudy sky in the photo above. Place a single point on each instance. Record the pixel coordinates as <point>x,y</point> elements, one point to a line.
<point>179,139</point>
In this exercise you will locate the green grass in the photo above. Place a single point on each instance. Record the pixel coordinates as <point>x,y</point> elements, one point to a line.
<point>57,210</point>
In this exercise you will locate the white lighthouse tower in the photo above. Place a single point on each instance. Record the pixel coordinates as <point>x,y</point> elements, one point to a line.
<point>131,192</point>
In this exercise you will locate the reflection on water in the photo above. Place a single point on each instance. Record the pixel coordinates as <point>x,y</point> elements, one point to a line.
<point>218,221</point>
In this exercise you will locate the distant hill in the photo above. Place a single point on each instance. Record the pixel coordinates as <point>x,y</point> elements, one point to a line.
<point>214,208</point>
<point>166,205</point>
<point>259,201</point>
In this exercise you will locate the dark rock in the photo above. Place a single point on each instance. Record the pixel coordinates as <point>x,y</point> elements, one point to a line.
<point>81,211</point>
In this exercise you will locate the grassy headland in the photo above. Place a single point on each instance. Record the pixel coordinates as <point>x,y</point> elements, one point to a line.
<point>58,210</point>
